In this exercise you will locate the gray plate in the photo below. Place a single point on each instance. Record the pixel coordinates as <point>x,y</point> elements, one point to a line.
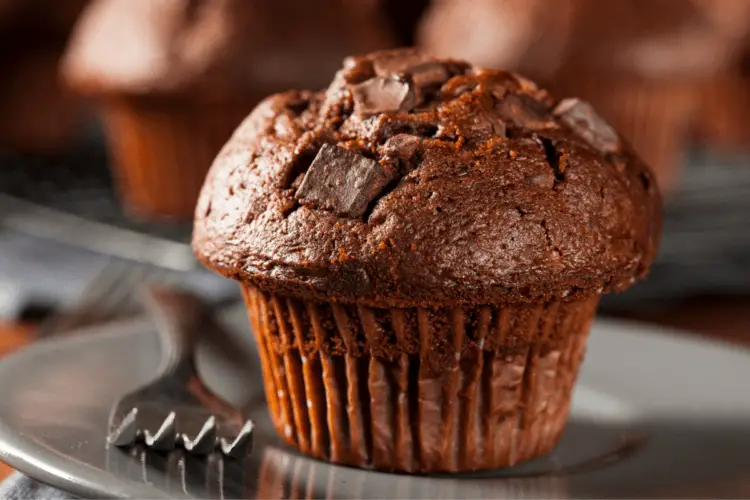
<point>654,415</point>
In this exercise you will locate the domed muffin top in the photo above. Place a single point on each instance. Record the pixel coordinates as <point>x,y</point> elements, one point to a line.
<point>414,181</point>
<point>211,48</point>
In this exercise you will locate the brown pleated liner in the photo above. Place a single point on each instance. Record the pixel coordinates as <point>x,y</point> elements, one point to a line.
<point>419,390</point>
<point>655,116</point>
<point>162,149</point>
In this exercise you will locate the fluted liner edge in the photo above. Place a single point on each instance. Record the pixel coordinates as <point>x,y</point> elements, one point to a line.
<point>419,390</point>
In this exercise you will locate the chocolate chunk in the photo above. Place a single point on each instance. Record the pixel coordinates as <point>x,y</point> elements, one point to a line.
<point>342,181</point>
<point>400,153</point>
<point>388,126</point>
<point>581,117</point>
<point>428,74</point>
<point>481,124</point>
<point>458,85</point>
<point>357,70</point>
<point>498,128</point>
<point>383,95</point>
<point>402,146</point>
<point>424,70</point>
<point>524,84</point>
<point>496,82</point>
<point>396,62</point>
<point>523,112</point>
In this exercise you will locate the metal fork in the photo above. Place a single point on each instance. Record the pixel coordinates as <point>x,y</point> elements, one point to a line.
<point>110,295</point>
<point>177,409</point>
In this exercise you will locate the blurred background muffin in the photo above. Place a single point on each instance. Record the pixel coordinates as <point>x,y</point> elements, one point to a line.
<point>37,114</point>
<point>724,123</point>
<point>174,78</point>
<point>526,36</point>
<point>644,64</point>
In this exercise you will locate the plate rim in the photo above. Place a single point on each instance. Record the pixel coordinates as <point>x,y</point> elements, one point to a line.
<point>19,451</point>
<point>13,443</point>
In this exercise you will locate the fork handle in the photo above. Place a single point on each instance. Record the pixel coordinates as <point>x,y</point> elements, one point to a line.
<point>178,317</point>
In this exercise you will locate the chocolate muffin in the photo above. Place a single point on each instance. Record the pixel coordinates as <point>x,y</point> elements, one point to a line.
<point>174,78</point>
<point>422,247</point>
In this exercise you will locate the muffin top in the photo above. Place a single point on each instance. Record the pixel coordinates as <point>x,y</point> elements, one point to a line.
<point>213,48</point>
<point>414,181</point>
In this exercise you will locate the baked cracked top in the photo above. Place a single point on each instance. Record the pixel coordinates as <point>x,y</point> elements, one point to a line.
<point>413,181</point>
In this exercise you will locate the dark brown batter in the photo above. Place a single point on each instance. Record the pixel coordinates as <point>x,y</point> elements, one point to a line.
<point>497,193</point>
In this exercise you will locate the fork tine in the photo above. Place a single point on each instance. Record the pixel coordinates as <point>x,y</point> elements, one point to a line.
<point>206,422</point>
<point>136,466</point>
<point>242,443</point>
<point>127,432</point>
<point>215,475</point>
<point>166,437</point>
<point>175,473</point>
<point>205,441</point>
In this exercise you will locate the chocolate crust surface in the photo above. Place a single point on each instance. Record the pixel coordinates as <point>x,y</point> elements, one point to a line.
<point>472,186</point>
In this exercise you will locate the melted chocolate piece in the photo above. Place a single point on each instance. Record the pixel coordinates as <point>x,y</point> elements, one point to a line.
<point>524,113</point>
<point>403,149</point>
<point>383,95</point>
<point>483,125</point>
<point>342,181</point>
<point>357,70</point>
<point>396,62</point>
<point>402,146</point>
<point>581,117</point>
<point>425,71</point>
<point>457,86</point>
<point>429,74</point>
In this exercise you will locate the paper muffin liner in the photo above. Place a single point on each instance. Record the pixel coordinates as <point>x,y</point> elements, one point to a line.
<point>162,149</point>
<point>723,120</point>
<point>655,116</point>
<point>419,390</point>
